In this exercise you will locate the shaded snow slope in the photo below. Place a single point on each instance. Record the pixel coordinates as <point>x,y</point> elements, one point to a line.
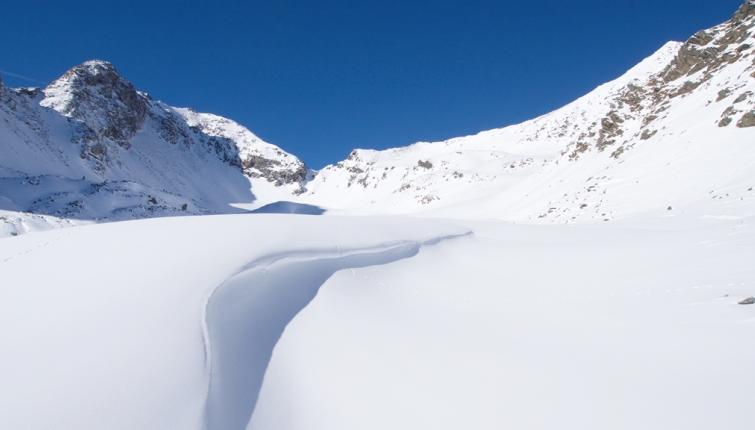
<point>284,207</point>
<point>103,326</point>
<point>90,147</point>
<point>248,313</point>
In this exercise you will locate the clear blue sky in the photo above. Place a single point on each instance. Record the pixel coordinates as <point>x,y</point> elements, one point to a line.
<point>321,77</point>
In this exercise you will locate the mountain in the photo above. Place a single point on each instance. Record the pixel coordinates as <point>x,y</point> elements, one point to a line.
<point>90,147</point>
<point>672,135</point>
<point>674,132</point>
<point>265,320</point>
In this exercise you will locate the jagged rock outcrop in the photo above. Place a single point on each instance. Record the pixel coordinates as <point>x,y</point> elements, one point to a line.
<point>746,11</point>
<point>747,120</point>
<point>240,147</point>
<point>709,50</point>
<point>259,167</point>
<point>96,95</point>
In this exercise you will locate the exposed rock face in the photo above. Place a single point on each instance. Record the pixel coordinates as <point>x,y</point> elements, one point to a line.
<point>257,166</point>
<point>95,94</point>
<point>709,50</point>
<point>425,164</point>
<point>742,97</point>
<point>747,10</point>
<point>239,147</point>
<point>747,120</point>
<point>701,38</point>
<point>647,134</point>
<point>610,129</point>
<point>691,59</point>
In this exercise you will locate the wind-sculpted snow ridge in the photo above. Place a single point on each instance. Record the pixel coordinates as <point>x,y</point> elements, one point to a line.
<point>676,129</point>
<point>104,325</point>
<point>248,313</point>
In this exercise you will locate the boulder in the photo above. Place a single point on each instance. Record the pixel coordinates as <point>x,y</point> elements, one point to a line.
<point>747,120</point>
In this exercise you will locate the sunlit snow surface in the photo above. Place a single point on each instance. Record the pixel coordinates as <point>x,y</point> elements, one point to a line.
<point>170,323</point>
<point>605,295</point>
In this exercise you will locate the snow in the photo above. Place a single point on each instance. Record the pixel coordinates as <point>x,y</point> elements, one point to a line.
<point>302,322</point>
<point>568,327</point>
<point>587,269</point>
<point>103,325</point>
<point>669,150</point>
<point>524,173</point>
<point>177,161</point>
<point>247,142</point>
<point>248,313</point>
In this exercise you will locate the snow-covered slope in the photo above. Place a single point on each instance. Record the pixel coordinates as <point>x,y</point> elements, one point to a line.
<point>90,147</point>
<point>529,327</point>
<point>214,322</point>
<point>167,323</point>
<point>676,129</point>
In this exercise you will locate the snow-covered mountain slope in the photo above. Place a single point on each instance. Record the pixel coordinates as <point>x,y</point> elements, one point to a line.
<point>214,322</point>
<point>90,147</point>
<point>673,133</point>
<point>676,129</point>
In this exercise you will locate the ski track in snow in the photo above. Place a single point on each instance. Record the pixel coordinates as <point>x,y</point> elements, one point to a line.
<point>246,315</point>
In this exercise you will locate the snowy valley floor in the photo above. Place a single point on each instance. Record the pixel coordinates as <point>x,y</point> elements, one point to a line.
<point>292,322</point>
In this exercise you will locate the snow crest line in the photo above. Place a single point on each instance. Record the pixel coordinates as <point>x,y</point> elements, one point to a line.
<point>246,315</point>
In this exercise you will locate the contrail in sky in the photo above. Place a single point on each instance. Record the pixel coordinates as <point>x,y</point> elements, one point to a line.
<point>22,77</point>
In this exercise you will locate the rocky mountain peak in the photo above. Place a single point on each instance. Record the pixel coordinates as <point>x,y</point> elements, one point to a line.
<point>746,11</point>
<point>710,50</point>
<point>95,94</point>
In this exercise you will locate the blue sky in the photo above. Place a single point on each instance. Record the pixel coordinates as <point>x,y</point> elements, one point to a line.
<point>319,78</point>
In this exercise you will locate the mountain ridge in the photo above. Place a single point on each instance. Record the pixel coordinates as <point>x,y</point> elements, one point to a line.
<point>673,91</point>
<point>90,147</point>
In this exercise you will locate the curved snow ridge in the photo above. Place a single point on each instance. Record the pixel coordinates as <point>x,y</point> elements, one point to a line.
<point>247,314</point>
